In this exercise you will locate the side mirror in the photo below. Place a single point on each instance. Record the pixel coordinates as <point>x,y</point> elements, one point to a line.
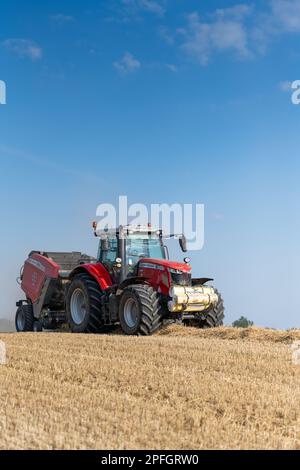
<point>105,246</point>
<point>183,243</point>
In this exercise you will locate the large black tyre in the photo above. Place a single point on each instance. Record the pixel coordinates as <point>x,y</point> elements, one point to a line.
<point>24,318</point>
<point>140,310</point>
<point>83,305</point>
<point>215,316</point>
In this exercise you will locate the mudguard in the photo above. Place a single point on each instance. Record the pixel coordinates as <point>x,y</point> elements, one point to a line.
<point>97,271</point>
<point>201,281</point>
<point>132,281</point>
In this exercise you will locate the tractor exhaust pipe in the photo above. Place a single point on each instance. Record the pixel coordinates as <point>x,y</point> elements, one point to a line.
<point>122,253</point>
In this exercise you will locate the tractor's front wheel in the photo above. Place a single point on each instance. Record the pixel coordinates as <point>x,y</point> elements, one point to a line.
<point>215,316</point>
<point>83,305</point>
<point>140,311</point>
<point>24,318</point>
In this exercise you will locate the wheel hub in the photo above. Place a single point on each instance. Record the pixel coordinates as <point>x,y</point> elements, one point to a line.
<point>131,313</point>
<point>78,306</point>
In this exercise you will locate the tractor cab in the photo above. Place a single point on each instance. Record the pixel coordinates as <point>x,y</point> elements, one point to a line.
<point>120,250</point>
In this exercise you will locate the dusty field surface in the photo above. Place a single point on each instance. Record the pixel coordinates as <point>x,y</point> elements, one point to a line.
<point>181,389</point>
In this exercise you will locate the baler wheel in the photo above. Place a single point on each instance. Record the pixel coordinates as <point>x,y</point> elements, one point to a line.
<point>24,319</point>
<point>214,317</point>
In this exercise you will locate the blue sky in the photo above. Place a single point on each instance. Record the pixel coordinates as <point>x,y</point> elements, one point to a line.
<point>164,101</point>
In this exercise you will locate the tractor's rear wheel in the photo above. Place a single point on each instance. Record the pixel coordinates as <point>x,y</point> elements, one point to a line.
<point>215,316</point>
<point>83,305</point>
<point>139,310</point>
<point>24,318</point>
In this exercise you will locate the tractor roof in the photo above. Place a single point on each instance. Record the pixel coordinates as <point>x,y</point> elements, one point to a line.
<point>127,230</point>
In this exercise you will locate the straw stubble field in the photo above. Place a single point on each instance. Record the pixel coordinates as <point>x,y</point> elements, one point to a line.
<point>181,389</point>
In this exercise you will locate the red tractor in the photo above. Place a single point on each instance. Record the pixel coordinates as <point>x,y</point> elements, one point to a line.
<point>131,283</point>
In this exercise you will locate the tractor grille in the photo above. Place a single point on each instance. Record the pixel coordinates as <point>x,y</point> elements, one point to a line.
<point>181,279</point>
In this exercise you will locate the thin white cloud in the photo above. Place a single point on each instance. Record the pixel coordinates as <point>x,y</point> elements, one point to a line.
<point>166,35</point>
<point>151,6</point>
<point>287,14</point>
<point>241,29</point>
<point>61,18</point>
<point>43,162</point>
<point>225,31</point>
<point>285,86</point>
<point>281,17</point>
<point>237,12</point>
<point>173,68</point>
<point>127,64</point>
<point>24,48</point>
<point>217,216</point>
